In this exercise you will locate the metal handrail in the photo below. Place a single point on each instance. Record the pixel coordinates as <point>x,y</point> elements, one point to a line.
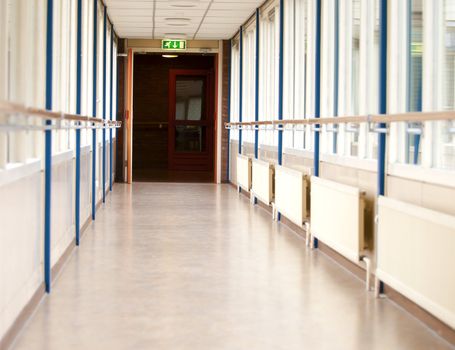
<point>374,118</point>
<point>10,108</point>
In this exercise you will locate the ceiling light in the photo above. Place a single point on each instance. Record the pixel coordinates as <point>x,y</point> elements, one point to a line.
<point>169,56</point>
<point>183,3</point>
<point>177,21</point>
<point>175,35</point>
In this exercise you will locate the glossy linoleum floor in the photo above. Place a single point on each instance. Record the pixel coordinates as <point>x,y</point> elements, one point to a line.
<point>195,266</point>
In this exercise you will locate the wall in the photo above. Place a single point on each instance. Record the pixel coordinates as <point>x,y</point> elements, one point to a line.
<point>22,232</point>
<point>23,38</point>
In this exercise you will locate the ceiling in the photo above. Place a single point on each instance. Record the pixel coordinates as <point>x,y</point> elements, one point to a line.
<point>186,19</point>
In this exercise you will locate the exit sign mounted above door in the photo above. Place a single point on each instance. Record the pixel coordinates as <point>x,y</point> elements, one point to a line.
<point>171,44</point>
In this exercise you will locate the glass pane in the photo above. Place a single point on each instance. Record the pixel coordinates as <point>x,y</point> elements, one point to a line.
<point>189,98</point>
<point>352,133</point>
<point>190,138</point>
<point>373,81</point>
<point>415,53</point>
<point>444,152</point>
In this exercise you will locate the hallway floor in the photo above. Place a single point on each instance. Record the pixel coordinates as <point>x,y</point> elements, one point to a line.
<point>192,266</point>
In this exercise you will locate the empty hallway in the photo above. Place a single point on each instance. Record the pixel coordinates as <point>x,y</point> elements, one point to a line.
<point>227,174</point>
<point>193,266</point>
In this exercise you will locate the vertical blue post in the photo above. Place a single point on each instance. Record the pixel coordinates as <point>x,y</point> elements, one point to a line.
<point>382,94</point>
<point>241,88</point>
<point>48,148</point>
<point>336,70</point>
<point>256,101</point>
<point>280,83</point>
<point>112,109</point>
<point>78,111</point>
<point>382,101</point>
<point>317,92</point>
<point>95,43</point>
<point>229,116</point>
<point>104,101</point>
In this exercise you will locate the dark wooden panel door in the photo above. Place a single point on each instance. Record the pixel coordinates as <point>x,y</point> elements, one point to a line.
<point>191,120</point>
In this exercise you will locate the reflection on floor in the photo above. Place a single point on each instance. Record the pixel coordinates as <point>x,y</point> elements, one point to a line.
<point>164,175</point>
<point>195,266</point>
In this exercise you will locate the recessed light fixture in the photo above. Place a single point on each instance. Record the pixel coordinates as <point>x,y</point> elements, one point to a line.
<point>177,21</point>
<point>183,3</point>
<point>174,35</point>
<point>169,56</point>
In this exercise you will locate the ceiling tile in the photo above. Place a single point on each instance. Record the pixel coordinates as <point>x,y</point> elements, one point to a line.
<point>205,19</point>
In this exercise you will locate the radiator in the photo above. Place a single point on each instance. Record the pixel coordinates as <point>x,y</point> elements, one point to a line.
<point>244,172</point>
<point>337,214</point>
<point>263,186</point>
<point>291,194</point>
<point>416,255</point>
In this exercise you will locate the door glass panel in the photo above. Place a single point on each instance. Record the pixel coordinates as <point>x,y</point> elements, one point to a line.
<point>189,98</point>
<point>190,138</point>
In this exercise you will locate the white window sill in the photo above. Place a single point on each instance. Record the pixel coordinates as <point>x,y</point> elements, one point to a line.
<point>351,162</point>
<point>299,153</point>
<point>419,173</point>
<point>62,156</point>
<point>86,149</point>
<point>268,148</point>
<point>16,171</point>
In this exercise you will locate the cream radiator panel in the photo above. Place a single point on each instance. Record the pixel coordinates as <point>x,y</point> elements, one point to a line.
<point>263,181</point>
<point>244,172</point>
<point>337,213</point>
<point>416,255</point>
<point>291,189</point>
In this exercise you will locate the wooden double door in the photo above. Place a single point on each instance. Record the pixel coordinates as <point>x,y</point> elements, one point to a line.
<point>191,120</point>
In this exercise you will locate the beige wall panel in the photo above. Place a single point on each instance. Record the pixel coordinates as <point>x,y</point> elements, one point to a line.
<point>248,149</point>
<point>438,198</point>
<point>405,190</point>
<point>296,162</point>
<point>268,155</point>
<point>427,195</point>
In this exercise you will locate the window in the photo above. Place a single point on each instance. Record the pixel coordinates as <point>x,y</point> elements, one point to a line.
<point>269,51</point>
<point>300,73</point>
<point>310,48</point>
<point>415,71</point>
<point>3,74</point>
<point>369,83</point>
<point>349,96</point>
<point>329,72</point>
<point>22,67</point>
<point>249,78</point>
<point>444,148</point>
<point>289,77</point>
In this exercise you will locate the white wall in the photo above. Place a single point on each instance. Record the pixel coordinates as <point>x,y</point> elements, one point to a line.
<point>22,80</point>
<point>21,240</point>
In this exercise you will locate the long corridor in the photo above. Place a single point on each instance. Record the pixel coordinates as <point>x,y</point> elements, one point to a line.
<point>190,266</point>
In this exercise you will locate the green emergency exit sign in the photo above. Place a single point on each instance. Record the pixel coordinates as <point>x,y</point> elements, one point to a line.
<point>170,44</point>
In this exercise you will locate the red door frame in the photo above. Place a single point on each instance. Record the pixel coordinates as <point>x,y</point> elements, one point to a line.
<point>189,160</point>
